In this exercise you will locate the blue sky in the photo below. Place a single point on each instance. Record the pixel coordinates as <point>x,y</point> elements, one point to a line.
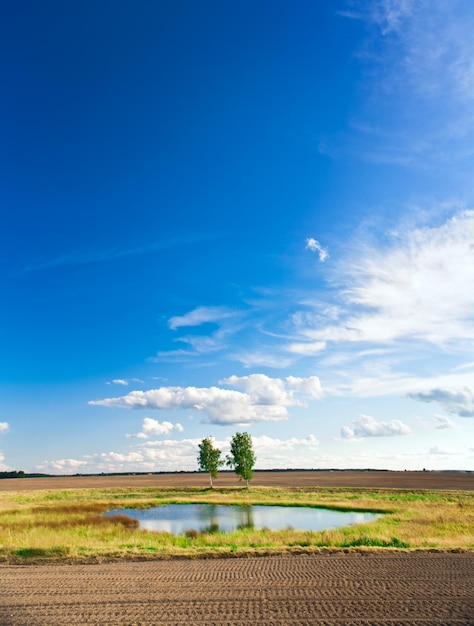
<point>223,216</point>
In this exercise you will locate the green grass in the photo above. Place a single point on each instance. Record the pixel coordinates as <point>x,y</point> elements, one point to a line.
<point>69,524</point>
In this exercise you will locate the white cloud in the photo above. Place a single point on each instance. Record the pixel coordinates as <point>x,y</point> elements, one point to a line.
<point>119,381</point>
<point>459,401</point>
<point>315,246</point>
<point>265,399</point>
<point>465,366</point>
<point>180,455</point>
<point>262,358</point>
<point>419,289</point>
<point>178,355</point>
<point>391,14</point>
<point>433,41</point>
<point>152,427</point>
<point>4,427</point>
<point>201,315</point>
<point>436,450</point>
<point>418,51</point>
<point>366,426</point>
<point>265,390</point>
<point>221,406</point>
<point>202,343</point>
<point>295,452</point>
<point>3,467</point>
<point>64,466</point>
<point>272,453</point>
<point>261,389</point>
<point>310,385</point>
<point>442,422</point>
<point>307,349</point>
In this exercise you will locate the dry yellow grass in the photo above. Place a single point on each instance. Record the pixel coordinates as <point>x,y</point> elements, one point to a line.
<point>69,523</point>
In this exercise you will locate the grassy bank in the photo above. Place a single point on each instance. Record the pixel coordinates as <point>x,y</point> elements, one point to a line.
<point>69,524</point>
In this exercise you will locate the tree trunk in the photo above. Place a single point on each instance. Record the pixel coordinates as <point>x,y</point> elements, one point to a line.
<point>210,480</point>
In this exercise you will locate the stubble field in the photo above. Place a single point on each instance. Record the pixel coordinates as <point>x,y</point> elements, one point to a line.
<point>345,587</point>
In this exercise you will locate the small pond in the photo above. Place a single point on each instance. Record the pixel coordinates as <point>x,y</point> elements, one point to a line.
<point>179,518</point>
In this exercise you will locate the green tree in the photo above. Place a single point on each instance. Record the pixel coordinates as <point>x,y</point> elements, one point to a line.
<point>209,458</point>
<point>242,457</point>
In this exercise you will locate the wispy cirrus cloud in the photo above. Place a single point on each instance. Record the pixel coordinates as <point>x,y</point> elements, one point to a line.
<point>419,51</point>
<point>419,288</point>
<point>228,324</point>
<point>262,357</point>
<point>202,315</point>
<point>86,257</point>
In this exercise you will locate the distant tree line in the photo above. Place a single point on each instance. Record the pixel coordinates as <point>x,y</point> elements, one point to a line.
<point>241,458</point>
<point>14,474</point>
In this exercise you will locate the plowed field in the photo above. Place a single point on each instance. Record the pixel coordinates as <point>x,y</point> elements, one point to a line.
<point>355,589</point>
<point>344,589</point>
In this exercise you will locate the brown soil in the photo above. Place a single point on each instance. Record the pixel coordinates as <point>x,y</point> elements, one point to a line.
<point>369,479</point>
<point>327,589</point>
<point>356,589</point>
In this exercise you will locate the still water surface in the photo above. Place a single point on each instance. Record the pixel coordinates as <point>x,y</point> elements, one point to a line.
<point>179,518</point>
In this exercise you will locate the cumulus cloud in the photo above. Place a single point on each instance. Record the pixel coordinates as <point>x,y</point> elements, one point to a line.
<point>315,246</point>
<point>263,399</point>
<point>294,452</point>
<point>366,426</point>
<point>153,428</point>
<point>221,406</point>
<point>167,455</point>
<point>4,427</point>
<point>459,401</point>
<point>3,467</point>
<point>310,385</point>
<point>64,466</point>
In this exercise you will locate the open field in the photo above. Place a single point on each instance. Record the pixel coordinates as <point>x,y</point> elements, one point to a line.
<point>69,523</point>
<point>352,586</point>
<point>291,479</point>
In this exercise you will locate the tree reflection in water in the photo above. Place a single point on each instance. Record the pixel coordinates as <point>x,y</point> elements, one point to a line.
<point>213,518</point>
